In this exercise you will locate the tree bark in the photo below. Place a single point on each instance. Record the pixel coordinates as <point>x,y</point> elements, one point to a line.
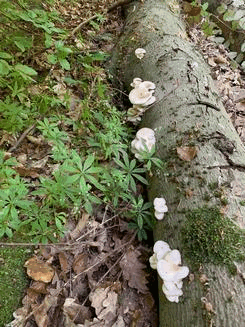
<point>188,112</point>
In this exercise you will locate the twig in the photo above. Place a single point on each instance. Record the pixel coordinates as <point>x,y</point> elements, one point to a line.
<point>105,257</point>
<point>22,138</point>
<point>111,8</point>
<point>82,24</point>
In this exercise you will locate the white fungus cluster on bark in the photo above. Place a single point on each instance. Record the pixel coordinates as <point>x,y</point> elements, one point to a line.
<point>140,53</point>
<point>141,97</point>
<point>168,265</point>
<point>160,208</point>
<point>166,261</point>
<point>143,142</point>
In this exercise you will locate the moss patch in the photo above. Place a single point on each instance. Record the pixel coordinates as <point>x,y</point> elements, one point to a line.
<point>208,236</point>
<point>13,280</point>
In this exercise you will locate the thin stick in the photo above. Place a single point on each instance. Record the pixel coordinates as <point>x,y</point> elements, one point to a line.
<point>103,259</point>
<point>22,138</point>
<point>113,7</point>
<point>82,24</point>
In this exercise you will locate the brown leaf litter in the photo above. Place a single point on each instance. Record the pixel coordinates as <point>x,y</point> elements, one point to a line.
<point>98,279</point>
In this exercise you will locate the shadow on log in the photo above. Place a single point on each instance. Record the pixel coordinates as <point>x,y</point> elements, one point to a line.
<point>204,194</point>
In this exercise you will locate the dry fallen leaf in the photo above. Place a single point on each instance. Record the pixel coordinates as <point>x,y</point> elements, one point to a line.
<point>76,312</point>
<point>133,272</point>
<point>105,303</point>
<point>65,263</point>
<point>187,153</point>
<point>80,263</point>
<point>41,311</point>
<point>39,270</point>
<point>80,226</point>
<point>27,172</point>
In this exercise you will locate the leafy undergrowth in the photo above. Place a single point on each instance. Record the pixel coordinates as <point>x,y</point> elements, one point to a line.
<point>67,175</point>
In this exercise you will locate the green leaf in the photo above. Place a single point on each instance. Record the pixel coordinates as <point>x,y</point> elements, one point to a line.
<point>242,23</point>
<point>88,162</point>
<point>52,59</point>
<point>4,67</point>
<point>229,15</point>
<point>5,55</point>
<point>205,6</point>
<point>48,40</point>
<point>133,185</point>
<point>9,232</point>
<point>58,224</point>
<point>25,69</point>
<point>243,47</point>
<point>65,64</point>
<point>141,179</point>
<point>140,222</point>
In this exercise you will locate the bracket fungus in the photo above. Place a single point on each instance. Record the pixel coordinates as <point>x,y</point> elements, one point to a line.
<point>142,93</point>
<point>160,207</point>
<point>140,53</point>
<point>141,96</point>
<point>144,141</point>
<point>167,262</point>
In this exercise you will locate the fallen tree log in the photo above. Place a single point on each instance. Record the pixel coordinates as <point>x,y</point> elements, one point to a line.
<point>203,183</point>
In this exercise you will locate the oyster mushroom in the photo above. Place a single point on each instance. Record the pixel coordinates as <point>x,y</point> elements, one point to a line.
<point>160,207</point>
<point>144,141</point>
<point>142,94</point>
<point>140,52</point>
<point>168,265</point>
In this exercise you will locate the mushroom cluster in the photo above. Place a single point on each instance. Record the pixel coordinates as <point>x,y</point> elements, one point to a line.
<point>167,262</point>
<point>143,142</point>
<point>160,207</point>
<point>141,96</point>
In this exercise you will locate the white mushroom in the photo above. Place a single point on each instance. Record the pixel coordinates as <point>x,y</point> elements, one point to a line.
<point>160,249</point>
<point>142,94</point>
<point>136,81</point>
<point>160,207</point>
<point>134,113</point>
<point>144,141</point>
<point>168,263</point>
<point>169,268</point>
<point>172,291</point>
<point>140,52</point>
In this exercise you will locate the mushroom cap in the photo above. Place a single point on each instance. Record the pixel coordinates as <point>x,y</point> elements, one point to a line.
<point>161,246</point>
<point>136,81</point>
<point>153,261</point>
<point>171,291</point>
<point>148,85</point>
<point>144,141</point>
<point>140,95</point>
<point>146,133</point>
<point>140,52</point>
<point>160,205</point>
<point>150,101</point>
<point>170,272</point>
<point>159,215</point>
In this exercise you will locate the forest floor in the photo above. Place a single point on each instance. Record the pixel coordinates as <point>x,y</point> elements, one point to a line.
<point>94,271</point>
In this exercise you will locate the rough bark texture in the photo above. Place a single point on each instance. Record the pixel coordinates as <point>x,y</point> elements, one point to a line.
<point>187,112</point>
